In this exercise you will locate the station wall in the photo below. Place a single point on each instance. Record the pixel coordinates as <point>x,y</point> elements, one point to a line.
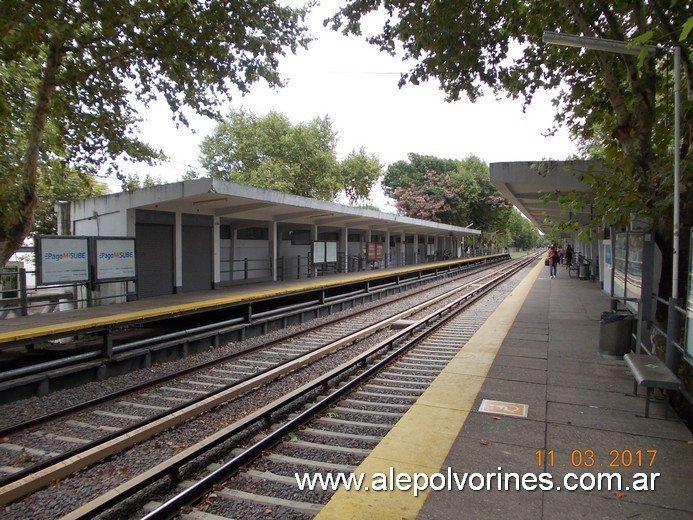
<point>191,236</point>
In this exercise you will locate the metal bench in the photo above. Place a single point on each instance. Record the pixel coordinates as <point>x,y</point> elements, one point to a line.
<point>651,372</point>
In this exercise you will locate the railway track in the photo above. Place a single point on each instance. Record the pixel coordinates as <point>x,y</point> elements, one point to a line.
<point>95,357</point>
<point>235,382</point>
<point>284,345</point>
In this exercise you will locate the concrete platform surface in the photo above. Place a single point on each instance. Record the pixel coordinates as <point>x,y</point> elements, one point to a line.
<point>584,429</point>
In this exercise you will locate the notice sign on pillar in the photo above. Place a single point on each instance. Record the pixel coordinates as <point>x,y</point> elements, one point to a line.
<point>324,252</point>
<point>319,252</point>
<point>376,251</point>
<point>114,258</point>
<point>62,259</point>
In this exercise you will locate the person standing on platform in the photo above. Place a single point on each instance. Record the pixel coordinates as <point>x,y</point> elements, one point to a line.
<point>553,257</point>
<point>568,256</point>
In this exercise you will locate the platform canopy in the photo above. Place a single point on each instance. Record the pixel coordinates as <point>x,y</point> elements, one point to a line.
<point>242,202</point>
<point>535,188</point>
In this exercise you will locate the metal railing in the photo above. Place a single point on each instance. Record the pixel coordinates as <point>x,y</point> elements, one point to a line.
<point>249,268</point>
<point>674,352</point>
<point>21,298</point>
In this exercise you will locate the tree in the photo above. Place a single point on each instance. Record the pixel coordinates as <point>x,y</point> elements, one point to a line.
<point>523,234</point>
<point>483,205</point>
<point>460,193</point>
<point>470,45</point>
<point>432,199</point>
<point>63,184</point>
<point>404,174</point>
<point>269,152</point>
<point>359,173</point>
<point>134,182</point>
<point>79,67</point>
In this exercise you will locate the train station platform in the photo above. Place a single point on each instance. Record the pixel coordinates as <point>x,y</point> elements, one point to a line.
<point>104,318</point>
<point>560,417</point>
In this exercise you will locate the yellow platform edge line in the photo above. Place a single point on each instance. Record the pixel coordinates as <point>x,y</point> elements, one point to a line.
<point>422,438</point>
<point>172,310</point>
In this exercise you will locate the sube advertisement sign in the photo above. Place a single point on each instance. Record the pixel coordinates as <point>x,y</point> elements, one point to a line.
<point>62,259</point>
<point>115,259</point>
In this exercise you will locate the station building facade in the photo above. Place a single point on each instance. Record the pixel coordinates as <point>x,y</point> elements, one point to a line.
<point>205,233</point>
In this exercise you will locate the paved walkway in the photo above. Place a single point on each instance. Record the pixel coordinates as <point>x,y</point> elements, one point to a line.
<point>541,346</point>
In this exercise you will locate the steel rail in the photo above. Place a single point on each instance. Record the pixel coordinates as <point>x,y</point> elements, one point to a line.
<point>216,329</point>
<point>37,421</point>
<point>191,495</point>
<point>34,478</point>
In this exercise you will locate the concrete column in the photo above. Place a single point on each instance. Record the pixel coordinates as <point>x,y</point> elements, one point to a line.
<point>345,248</point>
<point>403,249</point>
<point>388,253</point>
<point>273,248</point>
<point>313,238</point>
<point>216,252</point>
<point>178,248</point>
<point>131,222</point>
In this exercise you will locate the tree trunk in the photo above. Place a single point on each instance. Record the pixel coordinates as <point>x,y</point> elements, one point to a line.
<point>19,223</point>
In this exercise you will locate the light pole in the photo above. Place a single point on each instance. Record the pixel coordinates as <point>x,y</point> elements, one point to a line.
<point>619,47</point>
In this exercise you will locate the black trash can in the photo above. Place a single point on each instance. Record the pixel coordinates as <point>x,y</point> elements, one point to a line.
<point>615,334</point>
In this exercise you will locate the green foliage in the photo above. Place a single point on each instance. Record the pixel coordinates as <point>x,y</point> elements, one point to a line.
<point>190,175</point>
<point>620,103</point>
<point>686,31</point>
<point>522,232</point>
<point>432,199</point>
<point>269,152</point>
<point>63,184</point>
<point>404,174</point>
<point>133,182</point>
<point>73,69</point>
<point>459,193</point>
<point>359,172</point>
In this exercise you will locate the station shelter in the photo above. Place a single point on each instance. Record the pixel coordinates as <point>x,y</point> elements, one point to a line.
<point>206,233</point>
<point>626,262</point>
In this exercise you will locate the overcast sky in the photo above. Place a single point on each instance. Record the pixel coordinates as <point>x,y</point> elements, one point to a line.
<point>356,86</point>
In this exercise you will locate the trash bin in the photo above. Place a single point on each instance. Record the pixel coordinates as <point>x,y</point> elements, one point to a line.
<point>584,272</point>
<point>615,334</point>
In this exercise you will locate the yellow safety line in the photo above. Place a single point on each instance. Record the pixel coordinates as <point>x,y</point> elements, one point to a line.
<point>134,316</point>
<point>423,437</point>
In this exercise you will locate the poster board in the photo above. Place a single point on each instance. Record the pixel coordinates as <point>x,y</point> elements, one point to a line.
<point>61,259</point>
<point>376,251</point>
<point>319,252</point>
<point>330,252</point>
<point>324,252</point>
<point>114,259</point>
<point>620,255</point>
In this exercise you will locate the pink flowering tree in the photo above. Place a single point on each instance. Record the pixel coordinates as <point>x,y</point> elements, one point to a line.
<point>432,200</point>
